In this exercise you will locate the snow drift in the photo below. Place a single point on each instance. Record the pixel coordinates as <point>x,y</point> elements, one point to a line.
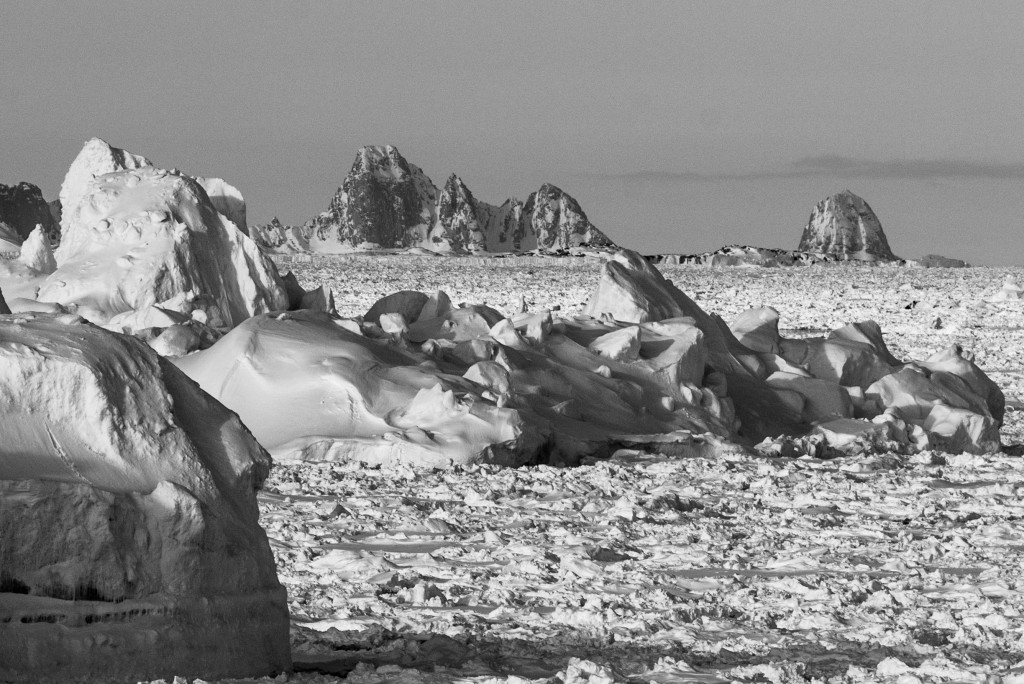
<point>129,539</point>
<point>429,385</point>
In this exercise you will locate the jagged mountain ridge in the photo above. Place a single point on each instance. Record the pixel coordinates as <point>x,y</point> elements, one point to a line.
<point>387,202</point>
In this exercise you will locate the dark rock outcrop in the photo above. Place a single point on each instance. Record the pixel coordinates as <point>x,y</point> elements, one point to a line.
<point>558,221</point>
<point>22,207</point>
<point>845,227</point>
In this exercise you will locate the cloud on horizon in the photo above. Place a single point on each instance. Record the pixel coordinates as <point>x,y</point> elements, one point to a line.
<point>848,166</point>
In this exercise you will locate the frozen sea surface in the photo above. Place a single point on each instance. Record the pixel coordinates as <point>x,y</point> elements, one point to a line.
<point>651,568</point>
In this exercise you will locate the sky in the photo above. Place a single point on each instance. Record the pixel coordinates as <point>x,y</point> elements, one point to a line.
<point>678,126</point>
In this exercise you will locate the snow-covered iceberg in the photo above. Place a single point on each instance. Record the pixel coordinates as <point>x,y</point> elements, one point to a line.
<point>129,540</point>
<point>430,385</point>
<point>144,238</point>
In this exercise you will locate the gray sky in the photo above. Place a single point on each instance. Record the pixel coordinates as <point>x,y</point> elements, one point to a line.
<point>679,127</point>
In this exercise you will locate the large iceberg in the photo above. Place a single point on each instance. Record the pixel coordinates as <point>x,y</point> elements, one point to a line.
<point>130,545</point>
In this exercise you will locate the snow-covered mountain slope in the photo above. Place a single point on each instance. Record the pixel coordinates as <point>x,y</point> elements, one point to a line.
<point>386,202</point>
<point>845,227</point>
<point>557,222</point>
<point>22,208</point>
<point>142,238</point>
<point>129,537</point>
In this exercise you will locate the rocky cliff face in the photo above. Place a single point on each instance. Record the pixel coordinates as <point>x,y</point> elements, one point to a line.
<point>22,208</point>
<point>386,202</point>
<point>557,221</point>
<point>845,227</point>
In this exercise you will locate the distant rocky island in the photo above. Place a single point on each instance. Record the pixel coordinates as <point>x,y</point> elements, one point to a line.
<point>842,228</point>
<point>385,202</point>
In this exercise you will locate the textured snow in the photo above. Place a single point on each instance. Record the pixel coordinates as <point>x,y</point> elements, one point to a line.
<point>140,244</point>
<point>419,382</point>
<point>96,158</point>
<point>151,238</point>
<point>766,486</point>
<point>463,386</point>
<point>718,566</point>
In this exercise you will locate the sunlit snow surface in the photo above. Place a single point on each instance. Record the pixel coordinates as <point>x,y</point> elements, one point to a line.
<point>659,569</point>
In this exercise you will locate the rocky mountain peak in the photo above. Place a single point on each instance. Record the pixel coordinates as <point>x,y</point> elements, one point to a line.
<point>387,202</point>
<point>383,161</point>
<point>559,221</point>
<point>844,226</point>
<point>453,194</point>
<point>384,201</point>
